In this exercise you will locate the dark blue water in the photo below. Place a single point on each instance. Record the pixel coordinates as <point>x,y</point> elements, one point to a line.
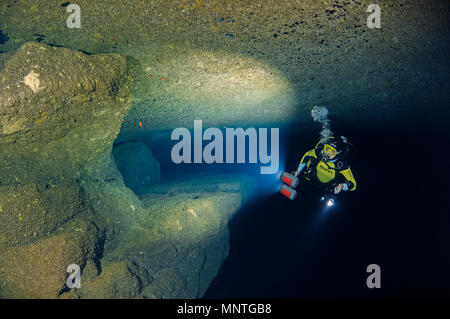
<point>397,218</point>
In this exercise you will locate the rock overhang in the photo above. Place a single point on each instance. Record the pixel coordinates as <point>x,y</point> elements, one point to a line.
<point>322,52</point>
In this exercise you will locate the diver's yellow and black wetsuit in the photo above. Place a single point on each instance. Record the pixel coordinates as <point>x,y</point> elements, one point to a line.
<point>329,172</point>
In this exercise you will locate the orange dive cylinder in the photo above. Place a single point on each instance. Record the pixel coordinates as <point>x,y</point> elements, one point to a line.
<point>289,192</point>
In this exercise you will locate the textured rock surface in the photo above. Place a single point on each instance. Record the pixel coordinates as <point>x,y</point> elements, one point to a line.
<point>270,60</point>
<point>30,211</point>
<point>63,201</point>
<point>183,238</point>
<point>117,280</point>
<point>4,57</point>
<point>137,165</point>
<point>60,111</point>
<point>38,270</point>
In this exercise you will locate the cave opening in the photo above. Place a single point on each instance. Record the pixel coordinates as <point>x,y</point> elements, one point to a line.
<point>284,249</point>
<point>142,226</point>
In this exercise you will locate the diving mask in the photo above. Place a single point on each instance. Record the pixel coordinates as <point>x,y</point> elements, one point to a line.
<point>330,151</point>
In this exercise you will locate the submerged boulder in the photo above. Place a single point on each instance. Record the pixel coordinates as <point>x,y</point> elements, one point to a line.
<point>117,280</point>
<point>183,237</point>
<point>60,111</point>
<point>137,165</point>
<point>38,270</point>
<point>30,211</point>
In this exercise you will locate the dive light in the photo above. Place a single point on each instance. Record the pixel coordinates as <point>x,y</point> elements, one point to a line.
<point>289,179</point>
<point>329,202</point>
<point>289,192</point>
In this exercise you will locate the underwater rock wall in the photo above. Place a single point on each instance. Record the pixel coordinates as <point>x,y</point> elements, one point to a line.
<point>137,165</point>
<point>60,111</point>
<point>63,200</point>
<point>178,247</point>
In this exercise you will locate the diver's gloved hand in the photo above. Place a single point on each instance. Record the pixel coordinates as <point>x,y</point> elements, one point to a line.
<point>338,188</point>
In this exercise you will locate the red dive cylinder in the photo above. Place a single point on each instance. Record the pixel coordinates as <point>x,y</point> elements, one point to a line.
<point>289,179</point>
<point>288,192</point>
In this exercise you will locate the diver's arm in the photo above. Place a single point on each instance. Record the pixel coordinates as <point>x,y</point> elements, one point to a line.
<point>300,168</point>
<point>349,182</point>
<point>311,154</point>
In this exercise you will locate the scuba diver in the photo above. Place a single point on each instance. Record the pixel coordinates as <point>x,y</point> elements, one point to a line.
<point>326,165</point>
